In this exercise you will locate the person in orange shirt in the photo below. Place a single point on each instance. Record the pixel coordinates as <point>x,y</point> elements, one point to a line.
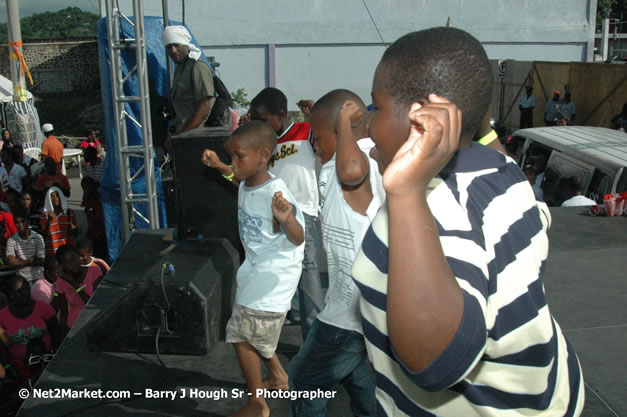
<point>51,148</point>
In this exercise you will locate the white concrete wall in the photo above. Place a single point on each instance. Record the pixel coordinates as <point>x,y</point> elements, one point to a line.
<point>326,44</point>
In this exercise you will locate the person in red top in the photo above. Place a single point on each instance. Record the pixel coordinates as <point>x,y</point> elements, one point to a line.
<point>25,319</point>
<point>92,141</point>
<point>7,229</point>
<point>51,177</point>
<point>58,221</point>
<point>75,284</point>
<point>51,148</point>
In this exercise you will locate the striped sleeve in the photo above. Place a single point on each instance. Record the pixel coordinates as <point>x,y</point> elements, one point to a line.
<point>509,356</point>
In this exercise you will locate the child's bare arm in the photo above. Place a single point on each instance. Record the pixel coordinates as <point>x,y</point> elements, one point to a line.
<point>425,303</point>
<point>211,159</point>
<point>352,164</point>
<point>284,214</point>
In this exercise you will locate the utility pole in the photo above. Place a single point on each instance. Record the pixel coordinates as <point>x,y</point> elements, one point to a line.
<point>16,57</point>
<point>605,31</point>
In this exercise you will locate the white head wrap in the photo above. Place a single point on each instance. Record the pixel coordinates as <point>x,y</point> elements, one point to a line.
<point>48,201</point>
<point>180,35</point>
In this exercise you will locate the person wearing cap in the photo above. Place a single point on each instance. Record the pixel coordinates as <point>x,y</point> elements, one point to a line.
<point>552,111</point>
<point>526,106</point>
<point>52,147</point>
<point>192,93</point>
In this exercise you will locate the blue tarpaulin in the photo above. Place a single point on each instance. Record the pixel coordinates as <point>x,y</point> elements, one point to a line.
<point>157,76</point>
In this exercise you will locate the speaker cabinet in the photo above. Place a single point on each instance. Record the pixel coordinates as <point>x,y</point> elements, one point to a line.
<point>206,202</point>
<point>180,305</point>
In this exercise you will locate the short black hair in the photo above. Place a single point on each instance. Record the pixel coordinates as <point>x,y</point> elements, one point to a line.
<point>12,282</point>
<point>9,151</point>
<point>445,61</point>
<point>50,166</point>
<point>270,99</point>
<point>65,250</point>
<point>572,185</point>
<point>21,214</point>
<point>84,244</point>
<point>90,152</point>
<point>50,262</point>
<point>13,192</point>
<point>257,134</point>
<point>330,104</point>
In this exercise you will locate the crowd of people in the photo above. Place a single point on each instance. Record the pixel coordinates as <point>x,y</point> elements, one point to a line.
<point>557,111</point>
<point>434,238</point>
<point>48,274</point>
<point>435,244</point>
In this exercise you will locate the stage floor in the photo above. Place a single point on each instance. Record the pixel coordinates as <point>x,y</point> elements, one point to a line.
<point>585,285</point>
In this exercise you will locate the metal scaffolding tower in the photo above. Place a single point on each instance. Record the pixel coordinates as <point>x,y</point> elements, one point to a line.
<point>121,103</point>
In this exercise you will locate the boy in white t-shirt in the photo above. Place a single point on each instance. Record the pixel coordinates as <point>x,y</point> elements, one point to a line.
<point>351,193</point>
<point>271,229</point>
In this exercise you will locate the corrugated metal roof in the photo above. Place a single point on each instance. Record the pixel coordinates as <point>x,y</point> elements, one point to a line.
<point>598,143</point>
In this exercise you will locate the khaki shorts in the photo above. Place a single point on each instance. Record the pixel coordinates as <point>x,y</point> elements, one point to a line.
<point>261,329</point>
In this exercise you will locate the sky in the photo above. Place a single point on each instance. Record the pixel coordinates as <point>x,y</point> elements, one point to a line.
<point>29,7</point>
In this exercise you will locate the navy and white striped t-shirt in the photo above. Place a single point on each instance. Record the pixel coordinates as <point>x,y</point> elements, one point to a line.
<point>509,356</point>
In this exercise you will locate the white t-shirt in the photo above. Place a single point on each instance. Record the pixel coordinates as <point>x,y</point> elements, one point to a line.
<point>12,179</point>
<point>579,200</point>
<point>342,232</point>
<point>269,275</point>
<point>293,160</point>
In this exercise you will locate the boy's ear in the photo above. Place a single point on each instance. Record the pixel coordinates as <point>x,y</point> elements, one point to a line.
<point>265,154</point>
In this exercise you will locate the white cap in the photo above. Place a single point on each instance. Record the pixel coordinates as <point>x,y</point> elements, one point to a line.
<point>47,127</point>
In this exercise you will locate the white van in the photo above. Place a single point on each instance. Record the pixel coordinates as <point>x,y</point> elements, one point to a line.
<point>597,155</point>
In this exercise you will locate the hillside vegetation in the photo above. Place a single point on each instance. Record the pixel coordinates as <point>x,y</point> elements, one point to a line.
<point>67,23</point>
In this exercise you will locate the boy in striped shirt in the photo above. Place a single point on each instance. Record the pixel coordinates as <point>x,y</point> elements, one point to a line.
<point>26,250</point>
<point>450,271</point>
<point>94,164</point>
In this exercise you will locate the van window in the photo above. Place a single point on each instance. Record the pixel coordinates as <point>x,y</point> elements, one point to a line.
<point>562,166</point>
<point>621,187</point>
<point>535,149</point>
<point>600,184</point>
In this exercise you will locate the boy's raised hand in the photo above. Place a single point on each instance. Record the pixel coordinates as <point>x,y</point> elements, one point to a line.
<point>435,130</point>
<point>305,106</point>
<point>351,111</point>
<point>281,208</point>
<point>210,158</point>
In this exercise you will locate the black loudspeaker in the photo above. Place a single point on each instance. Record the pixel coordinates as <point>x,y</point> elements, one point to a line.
<point>180,305</point>
<point>206,202</point>
<point>169,195</point>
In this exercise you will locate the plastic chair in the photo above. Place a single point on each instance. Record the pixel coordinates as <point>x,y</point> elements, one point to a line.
<point>33,152</point>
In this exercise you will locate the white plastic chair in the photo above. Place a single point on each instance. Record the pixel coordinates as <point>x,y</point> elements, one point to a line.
<point>33,152</point>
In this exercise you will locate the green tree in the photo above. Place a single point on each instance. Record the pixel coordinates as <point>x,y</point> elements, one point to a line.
<point>68,23</point>
<point>241,98</point>
<point>615,9</point>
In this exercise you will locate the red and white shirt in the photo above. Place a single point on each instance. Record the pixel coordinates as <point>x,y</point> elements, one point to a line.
<point>293,160</point>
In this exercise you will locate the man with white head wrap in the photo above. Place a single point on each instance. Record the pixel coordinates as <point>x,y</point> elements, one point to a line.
<point>192,93</point>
